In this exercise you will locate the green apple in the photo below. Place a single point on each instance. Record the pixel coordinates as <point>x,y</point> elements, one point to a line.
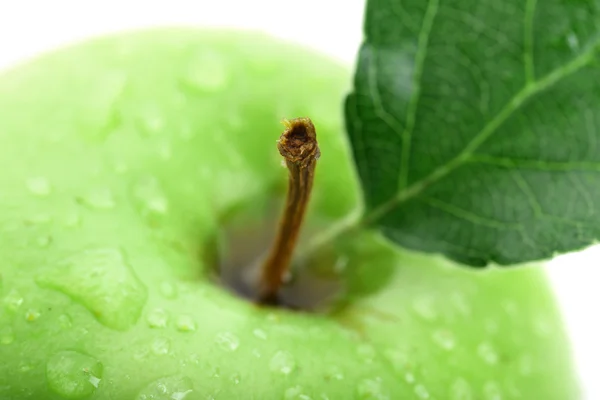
<point>121,160</point>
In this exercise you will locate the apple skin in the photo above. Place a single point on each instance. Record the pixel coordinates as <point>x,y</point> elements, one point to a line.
<point>121,155</point>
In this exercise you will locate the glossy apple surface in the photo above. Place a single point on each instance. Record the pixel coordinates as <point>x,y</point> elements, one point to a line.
<point>120,158</point>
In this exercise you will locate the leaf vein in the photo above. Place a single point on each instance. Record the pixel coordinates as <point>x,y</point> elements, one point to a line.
<point>528,41</point>
<point>411,113</point>
<point>468,215</point>
<point>485,133</point>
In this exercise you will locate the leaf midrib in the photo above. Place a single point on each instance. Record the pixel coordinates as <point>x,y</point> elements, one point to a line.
<point>527,92</point>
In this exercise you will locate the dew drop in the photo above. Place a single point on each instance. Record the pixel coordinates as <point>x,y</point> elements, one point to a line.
<point>32,315</point>
<point>149,194</point>
<point>13,300</point>
<point>460,302</point>
<point>167,388</point>
<point>161,346</point>
<point>444,339</point>
<point>73,375</point>
<point>367,353</point>
<point>185,323</point>
<point>491,391</point>
<point>44,241</point>
<point>397,358</point>
<point>151,120</point>
<point>259,333</point>
<point>23,368</point>
<point>334,373</point>
<point>421,392</point>
<point>282,362</point>
<point>460,390</point>
<point>525,365</point>
<point>165,152</point>
<point>120,167</point>
<point>7,335</point>
<point>168,290</point>
<point>295,393</point>
<point>72,220</point>
<point>102,281</point>
<point>235,379</point>
<point>38,219</point>
<point>227,341</point>
<point>371,389</point>
<point>424,307</point>
<point>99,198</point>
<point>486,351</point>
<point>207,72</point>
<point>158,318</point>
<point>39,186</point>
<point>65,321</point>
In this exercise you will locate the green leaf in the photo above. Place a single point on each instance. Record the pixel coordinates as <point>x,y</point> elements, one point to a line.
<point>475,126</point>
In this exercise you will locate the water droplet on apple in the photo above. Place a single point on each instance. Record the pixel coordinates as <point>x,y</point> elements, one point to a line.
<point>102,281</point>
<point>366,352</point>
<point>421,392</point>
<point>424,307</point>
<point>282,362</point>
<point>73,375</point>
<point>227,341</point>
<point>491,326</point>
<point>39,186</point>
<point>25,368</point>
<point>161,346</point>
<point>32,315</point>
<point>409,377</point>
<point>151,120</point>
<point>7,335</point>
<point>72,220</point>
<point>334,372</point>
<point>444,339</point>
<point>371,389</point>
<point>157,318</point>
<point>44,241</point>
<point>542,327</point>
<point>150,195</point>
<point>165,152</point>
<point>525,365</point>
<point>185,323</point>
<point>397,358</point>
<point>491,391</point>
<point>235,379</point>
<point>486,351</point>
<point>460,390</point>
<point>99,198</point>
<point>207,72</point>
<point>459,300</point>
<point>120,167</point>
<point>295,393</point>
<point>259,333</point>
<point>167,388</point>
<point>65,321</point>
<point>168,290</point>
<point>38,219</point>
<point>13,300</point>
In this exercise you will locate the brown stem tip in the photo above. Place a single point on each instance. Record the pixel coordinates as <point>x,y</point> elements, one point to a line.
<point>298,145</point>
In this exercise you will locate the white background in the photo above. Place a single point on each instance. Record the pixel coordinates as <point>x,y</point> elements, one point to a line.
<point>333,26</point>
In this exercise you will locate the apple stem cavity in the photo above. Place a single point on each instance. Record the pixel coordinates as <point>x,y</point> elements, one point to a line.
<point>299,148</point>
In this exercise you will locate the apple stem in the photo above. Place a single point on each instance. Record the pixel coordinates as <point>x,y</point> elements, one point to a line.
<point>298,145</point>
